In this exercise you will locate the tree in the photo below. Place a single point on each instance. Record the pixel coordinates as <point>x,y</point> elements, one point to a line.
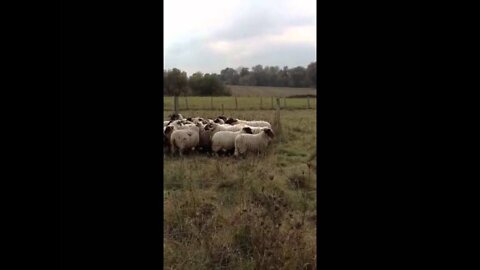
<point>283,77</point>
<point>248,79</point>
<point>260,75</point>
<point>229,76</point>
<point>195,82</point>
<point>312,74</point>
<point>207,85</point>
<point>298,77</point>
<point>244,72</point>
<point>175,82</point>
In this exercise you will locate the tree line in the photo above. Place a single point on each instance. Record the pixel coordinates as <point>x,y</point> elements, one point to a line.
<point>176,81</point>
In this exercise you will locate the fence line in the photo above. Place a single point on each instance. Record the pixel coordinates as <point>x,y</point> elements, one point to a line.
<point>235,103</point>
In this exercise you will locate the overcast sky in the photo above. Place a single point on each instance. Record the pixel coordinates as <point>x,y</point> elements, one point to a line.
<point>210,35</point>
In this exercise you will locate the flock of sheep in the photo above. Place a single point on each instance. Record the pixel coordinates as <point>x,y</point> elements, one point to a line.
<point>215,136</point>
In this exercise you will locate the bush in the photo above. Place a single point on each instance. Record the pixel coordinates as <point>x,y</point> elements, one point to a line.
<point>207,85</point>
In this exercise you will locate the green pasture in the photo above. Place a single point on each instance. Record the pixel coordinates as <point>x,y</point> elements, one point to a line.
<point>242,103</point>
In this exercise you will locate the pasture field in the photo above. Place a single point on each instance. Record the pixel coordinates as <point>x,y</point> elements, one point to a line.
<point>244,103</point>
<point>257,212</point>
<point>269,91</point>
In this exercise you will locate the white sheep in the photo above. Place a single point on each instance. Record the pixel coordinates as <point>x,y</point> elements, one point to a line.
<point>180,124</point>
<point>253,123</point>
<point>259,124</point>
<point>175,116</point>
<point>225,140</point>
<point>196,120</point>
<point>219,121</point>
<point>255,143</point>
<point>214,128</point>
<point>255,130</point>
<point>184,139</point>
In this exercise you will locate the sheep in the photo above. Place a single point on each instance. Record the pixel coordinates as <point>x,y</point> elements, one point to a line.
<point>214,127</point>
<point>225,140</point>
<point>172,123</point>
<point>167,132</point>
<point>256,143</point>
<point>184,139</point>
<point>219,121</point>
<point>165,141</point>
<point>195,120</point>
<point>180,124</point>
<point>186,126</point>
<point>176,116</point>
<point>205,141</point>
<point>253,123</point>
<point>255,130</point>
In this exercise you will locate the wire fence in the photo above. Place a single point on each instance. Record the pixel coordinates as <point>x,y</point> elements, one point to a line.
<point>183,103</point>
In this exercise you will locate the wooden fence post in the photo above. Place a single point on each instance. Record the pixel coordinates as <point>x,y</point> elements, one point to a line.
<point>236,104</point>
<point>278,126</point>
<point>175,104</point>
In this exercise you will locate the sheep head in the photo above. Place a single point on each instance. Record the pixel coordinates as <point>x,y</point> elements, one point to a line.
<point>269,132</point>
<point>176,116</point>
<point>230,121</point>
<point>168,130</point>
<point>210,126</point>
<point>247,130</point>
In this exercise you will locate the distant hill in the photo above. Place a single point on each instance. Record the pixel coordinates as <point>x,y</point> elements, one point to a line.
<point>268,91</point>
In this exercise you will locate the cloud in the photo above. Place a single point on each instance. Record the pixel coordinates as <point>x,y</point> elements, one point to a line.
<point>247,33</point>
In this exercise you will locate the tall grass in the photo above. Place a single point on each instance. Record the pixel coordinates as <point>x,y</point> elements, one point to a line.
<point>252,213</point>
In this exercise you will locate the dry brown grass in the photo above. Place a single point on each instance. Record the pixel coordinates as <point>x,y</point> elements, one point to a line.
<point>252,213</point>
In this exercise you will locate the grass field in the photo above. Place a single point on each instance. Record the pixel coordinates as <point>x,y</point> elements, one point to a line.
<point>252,213</point>
<point>243,103</point>
<point>268,91</point>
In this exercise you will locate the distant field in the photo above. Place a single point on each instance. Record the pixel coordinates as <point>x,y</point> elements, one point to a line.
<point>268,91</point>
<point>244,103</point>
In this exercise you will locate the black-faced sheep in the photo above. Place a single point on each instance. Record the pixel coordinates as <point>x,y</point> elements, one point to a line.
<point>253,123</point>
<point>219,121</point>
<point>205,140</point>
<point>256,143</point>
<point>176,116</point>
<point>225,140</point>
<point>214,128</point>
